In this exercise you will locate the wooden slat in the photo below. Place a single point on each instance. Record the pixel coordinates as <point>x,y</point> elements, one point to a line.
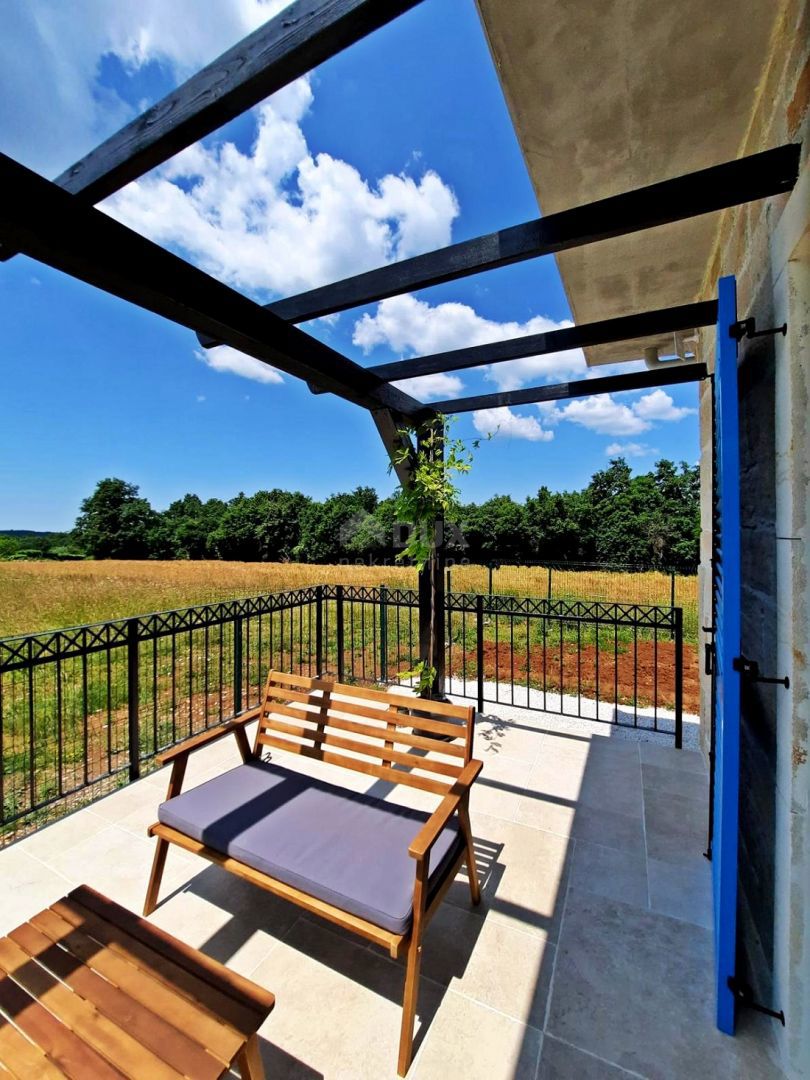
<point>170,973</point>
<point>389,732</point>
<point>432,708</point>
<point>279,888</point>
<point>76,1013</point>
<point>666,375</point>
<point>244,992</point>
<point>21,1059</point>
<point>322,737</point>
<point>170,1043</point>
<point>141,985</point>
<point>394,776</point>
<point>645,324</point>
<point>175,1052</point>
<point>385,716</point>
<point>67,1050</point>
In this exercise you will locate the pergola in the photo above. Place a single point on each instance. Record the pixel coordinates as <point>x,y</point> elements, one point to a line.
<point>56,223</point>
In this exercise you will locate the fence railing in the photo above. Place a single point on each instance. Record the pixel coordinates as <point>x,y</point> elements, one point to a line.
<point>86,709</point>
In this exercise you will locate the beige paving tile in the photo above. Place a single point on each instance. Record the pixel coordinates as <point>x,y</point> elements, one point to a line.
<point>667,757</point>
<point>682,890</point>
<point>499,786</point>
<point>676,827</point>
<point>610,872</point>
<point>470,1040</point>
<point>232,921</point>
<point>517,738</point>
<point>118,863</point>
<point>559,1061</point>
<point>689,783</point>
<point>637,989</point>
<point>338,1008</point>
<point>28,886</point>
<point>64,834</point>
<point>524,874</point>
<point>489,961</point>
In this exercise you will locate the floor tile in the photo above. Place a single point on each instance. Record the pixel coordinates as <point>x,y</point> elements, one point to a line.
<point>682,891</point>
<point>636,988</point>
<point>525,875</point>
<point>493,963</point>
<point>64,834</point>
<point>688,783</point>
<point>559,1061</point>
<point>676,827</point>
<point>228,919</point>
<point>338,1009</point>
<point>597,825</point>
<point>669,758</point>
<point>466,1039</point>
<point>28,886</point>
<point>610,872</point>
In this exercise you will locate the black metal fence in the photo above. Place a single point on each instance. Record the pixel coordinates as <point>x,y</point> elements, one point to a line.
<point>86,709</point>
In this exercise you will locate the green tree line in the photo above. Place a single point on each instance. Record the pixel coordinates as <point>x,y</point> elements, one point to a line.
<point>651,518</point>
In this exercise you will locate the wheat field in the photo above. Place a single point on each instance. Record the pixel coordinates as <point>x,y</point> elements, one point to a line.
<point>37,596</point>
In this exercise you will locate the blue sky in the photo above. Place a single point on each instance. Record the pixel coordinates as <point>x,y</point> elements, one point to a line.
<point>399,145</point>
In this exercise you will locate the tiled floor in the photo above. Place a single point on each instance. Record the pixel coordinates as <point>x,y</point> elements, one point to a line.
<point>589,957</point>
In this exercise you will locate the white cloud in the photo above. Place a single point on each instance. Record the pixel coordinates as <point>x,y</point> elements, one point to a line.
<point>658,405</point>
<point>631,449</point>
<point>224,358</point>
<point>53,109</point>
<point>504,423</point>
<point>600,413</point>
<point>278,219</point>
<point>603,415</point>
<point>413,327</point>
<point>432,387</point>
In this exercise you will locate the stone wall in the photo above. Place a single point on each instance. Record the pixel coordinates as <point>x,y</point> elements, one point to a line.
<point>766,245</point>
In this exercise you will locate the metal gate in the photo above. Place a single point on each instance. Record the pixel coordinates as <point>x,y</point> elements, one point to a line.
<point>727,642</point>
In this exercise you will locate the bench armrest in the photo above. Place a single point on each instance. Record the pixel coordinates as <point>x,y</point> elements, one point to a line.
<point>196,742</point>
<point>429,833</point>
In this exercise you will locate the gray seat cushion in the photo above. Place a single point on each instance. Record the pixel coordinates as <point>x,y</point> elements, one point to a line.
<point>348,849</point>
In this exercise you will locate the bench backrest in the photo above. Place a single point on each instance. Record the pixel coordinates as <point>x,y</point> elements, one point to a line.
<point>391,736</point>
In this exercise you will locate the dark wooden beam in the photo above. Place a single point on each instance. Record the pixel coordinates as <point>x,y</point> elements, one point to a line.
<point>756,177</point>
<point>669,375</point>
<point>303,35</point>
<point>44,221</point>
<point>393,431</point>
<point>623,328</point>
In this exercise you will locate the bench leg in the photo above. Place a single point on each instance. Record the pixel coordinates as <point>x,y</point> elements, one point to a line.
<point>153,888</point>
<point>472,869</point>
<point>249,1060</point>
<point>414,963</point>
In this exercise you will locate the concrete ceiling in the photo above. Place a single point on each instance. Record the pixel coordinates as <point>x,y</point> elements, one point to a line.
<point>609,96</point>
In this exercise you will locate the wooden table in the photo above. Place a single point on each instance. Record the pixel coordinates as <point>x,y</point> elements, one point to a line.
<point>87,990</point>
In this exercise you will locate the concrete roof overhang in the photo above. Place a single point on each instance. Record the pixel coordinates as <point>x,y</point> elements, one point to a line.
<point>608,97</point>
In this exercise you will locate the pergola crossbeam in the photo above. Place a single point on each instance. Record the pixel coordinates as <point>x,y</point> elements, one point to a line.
<point>624,328</point>
<point>730,184</point>
<point>668,375</point>
<point>44,221</point>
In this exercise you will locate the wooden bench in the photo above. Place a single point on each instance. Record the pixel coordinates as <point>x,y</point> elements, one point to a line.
<point>371,866</point>
<point>87,989</point>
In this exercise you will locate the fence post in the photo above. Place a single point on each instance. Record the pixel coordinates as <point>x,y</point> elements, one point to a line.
<point>133,690</point>
<point>237,665</point>
<point>447,587</point>
<point>479,648</point>
<point>490,579</point>
<point>339,628</point>
<point>678,613</point>
<point>672,588</point>
<point>549,583</point>
<point>318,629</point>
<point>383,634</point>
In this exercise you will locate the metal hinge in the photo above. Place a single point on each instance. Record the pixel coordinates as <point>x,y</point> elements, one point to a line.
<point>747,328</point>
<point>744,995</point>
<point>749,669</point>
